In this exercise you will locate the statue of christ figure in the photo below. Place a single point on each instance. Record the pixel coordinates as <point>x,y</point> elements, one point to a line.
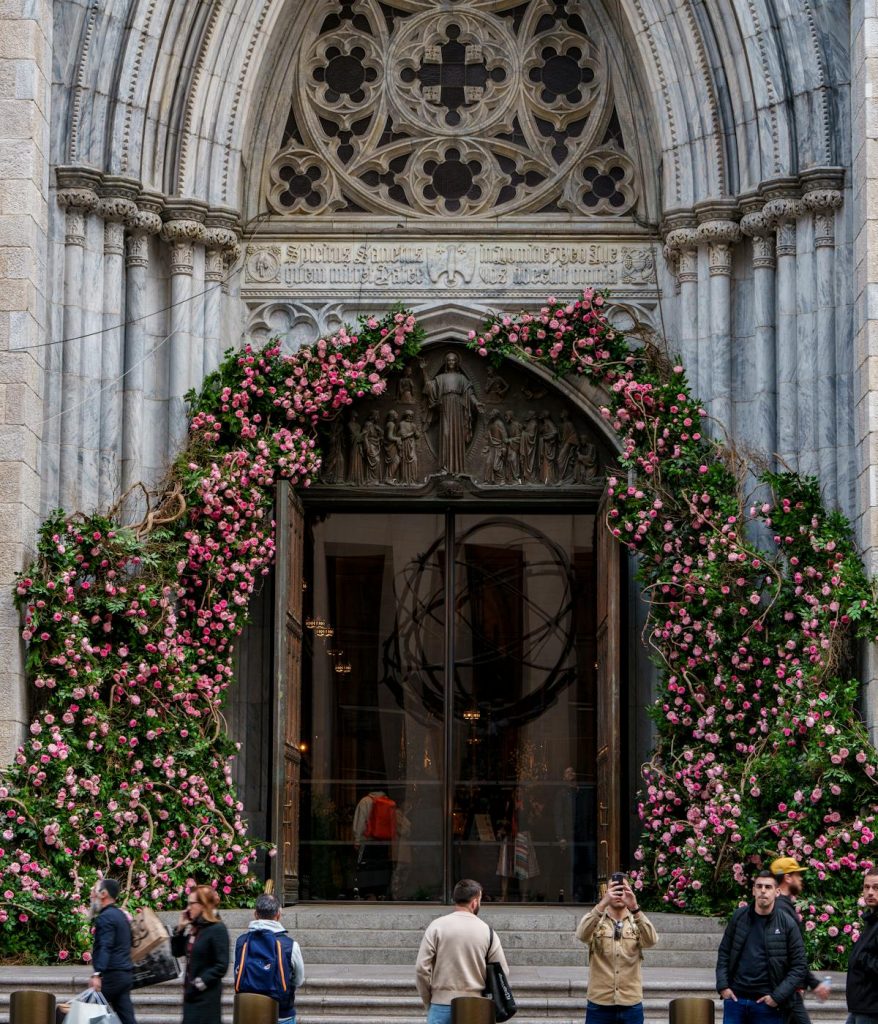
<point>451,392</point>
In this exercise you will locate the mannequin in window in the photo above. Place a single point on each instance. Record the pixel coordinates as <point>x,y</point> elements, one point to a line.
<point>374,832</point>
<point>518,854</point>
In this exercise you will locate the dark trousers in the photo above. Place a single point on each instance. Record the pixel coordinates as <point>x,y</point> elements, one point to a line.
<point>116,989</point>
<point>796,1012</point>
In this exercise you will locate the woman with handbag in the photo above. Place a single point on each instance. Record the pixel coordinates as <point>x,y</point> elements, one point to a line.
<point>203,939</point>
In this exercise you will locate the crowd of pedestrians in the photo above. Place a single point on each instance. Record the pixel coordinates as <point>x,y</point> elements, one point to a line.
<point>762,970</point>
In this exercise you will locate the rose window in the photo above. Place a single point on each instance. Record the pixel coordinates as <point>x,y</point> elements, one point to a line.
<point>488,108</point>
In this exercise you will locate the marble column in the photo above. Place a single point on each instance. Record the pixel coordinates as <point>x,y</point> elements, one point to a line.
<point>219,239</point>
<point>781,211</point>
<point>116,207</point>
<point>681,245</point>
<point>760,370</point>
<point>77,194</point>
<point>822,200</point>
<point>720,232</point>
<point>183,226</point>
<point>145,222</point>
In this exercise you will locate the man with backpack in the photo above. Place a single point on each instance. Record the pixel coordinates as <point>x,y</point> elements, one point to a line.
<point>268,961</point>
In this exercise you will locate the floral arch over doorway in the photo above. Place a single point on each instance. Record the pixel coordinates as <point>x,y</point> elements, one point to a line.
<point>131,631</point>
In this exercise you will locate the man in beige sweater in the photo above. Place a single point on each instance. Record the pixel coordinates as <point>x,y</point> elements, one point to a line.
<point>451,960</point>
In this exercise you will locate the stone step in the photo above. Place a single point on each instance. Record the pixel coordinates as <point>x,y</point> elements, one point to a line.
<point>380,933</point>
<point>356,996</point>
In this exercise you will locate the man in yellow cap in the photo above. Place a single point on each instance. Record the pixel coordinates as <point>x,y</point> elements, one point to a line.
<point>790,883</point>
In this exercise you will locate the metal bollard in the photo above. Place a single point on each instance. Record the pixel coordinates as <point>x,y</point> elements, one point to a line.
<point>472,1010</point>
<point>251,1008</point>
<point>691,1010</point>
<point>32,1007</point>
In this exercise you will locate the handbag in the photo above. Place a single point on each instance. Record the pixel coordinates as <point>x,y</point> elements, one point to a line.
<point>90,1007</point>
<point>497,986</point>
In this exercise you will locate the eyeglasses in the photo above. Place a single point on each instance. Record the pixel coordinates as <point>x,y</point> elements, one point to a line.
<point>617,930</point>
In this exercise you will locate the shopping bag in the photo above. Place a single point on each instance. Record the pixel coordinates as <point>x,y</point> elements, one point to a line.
<point>497,986</point>
<point>147,933</point>
<point>158,966</point>
<point>90,1007</point>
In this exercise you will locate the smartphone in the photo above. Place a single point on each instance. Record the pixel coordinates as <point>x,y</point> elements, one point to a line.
<point>617,878</point>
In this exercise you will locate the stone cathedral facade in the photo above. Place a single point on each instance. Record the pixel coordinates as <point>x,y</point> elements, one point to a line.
<point>178,176</point>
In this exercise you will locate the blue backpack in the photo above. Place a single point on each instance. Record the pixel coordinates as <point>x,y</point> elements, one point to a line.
<point>262,965</point>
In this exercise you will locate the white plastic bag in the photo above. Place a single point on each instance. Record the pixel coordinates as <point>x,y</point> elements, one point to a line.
<point>90,1007</point>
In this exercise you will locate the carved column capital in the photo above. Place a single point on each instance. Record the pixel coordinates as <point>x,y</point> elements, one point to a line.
<point>755,225</point>
<point>823,202</point>
<point>145,221</point>
<point>182,229</point>
<point>720,236</point>
<point>116,206</point>
<point>78,197</point>
<point>782,209</point>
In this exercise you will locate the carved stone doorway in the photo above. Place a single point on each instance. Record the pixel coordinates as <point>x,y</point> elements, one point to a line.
<point>449,640</point>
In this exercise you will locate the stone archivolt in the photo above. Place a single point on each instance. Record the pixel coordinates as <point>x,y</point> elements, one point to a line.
<point>491,107</point>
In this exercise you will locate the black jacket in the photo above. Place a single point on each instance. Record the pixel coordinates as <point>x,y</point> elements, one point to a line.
<point>209,961</point>
<point>784,904</point>
<point>112,945</point>
<point>862,983</point>
<point>784,948</point>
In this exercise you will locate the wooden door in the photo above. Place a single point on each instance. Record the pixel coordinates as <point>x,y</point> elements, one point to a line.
<point>608,651</point>
<point>287,690</point>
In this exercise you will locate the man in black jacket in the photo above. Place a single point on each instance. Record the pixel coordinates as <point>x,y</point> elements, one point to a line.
<point>761,960</point>
<point>788,875</point>
<point>862,984</point>
<point>111,955</point>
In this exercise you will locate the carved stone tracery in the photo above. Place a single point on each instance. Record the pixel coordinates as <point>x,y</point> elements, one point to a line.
<point>489,107</point>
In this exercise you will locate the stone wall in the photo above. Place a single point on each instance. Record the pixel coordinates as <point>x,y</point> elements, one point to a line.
<point>25,73</point>
<point>864,215</point>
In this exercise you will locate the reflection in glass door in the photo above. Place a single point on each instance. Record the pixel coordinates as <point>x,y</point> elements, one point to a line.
<point>460,640</point>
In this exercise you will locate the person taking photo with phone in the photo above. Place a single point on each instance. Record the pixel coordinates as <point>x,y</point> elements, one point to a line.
<point>616,931</point>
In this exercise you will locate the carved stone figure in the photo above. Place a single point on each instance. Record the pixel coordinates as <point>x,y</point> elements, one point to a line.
<point>495,386</point>
<point>333,464</point>
<point>392,454</point>
<point>569,444</point>
<point>372,454</point>
<point>513,448</point>
<point>408,440</point>
<point>406,386</point>
<point>356,465</point>
<point>495,449</point>
<point>529,444</point>
<point>548,449</point>
<point>451,392</point>
<point>586,462</point>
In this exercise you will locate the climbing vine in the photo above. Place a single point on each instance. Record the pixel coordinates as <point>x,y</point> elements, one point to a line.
<point>131,633</point>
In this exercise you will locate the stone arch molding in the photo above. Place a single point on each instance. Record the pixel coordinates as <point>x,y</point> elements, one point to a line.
<point>181,96</point>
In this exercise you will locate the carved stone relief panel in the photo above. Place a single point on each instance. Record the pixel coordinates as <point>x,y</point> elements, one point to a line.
<point>451,416</point>
<point>483,106</point>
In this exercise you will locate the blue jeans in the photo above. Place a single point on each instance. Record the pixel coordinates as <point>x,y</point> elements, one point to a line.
<point>439,1013</point>
<point>748,1011</point>
<point>597,1014</point>
<point>861,1018</point>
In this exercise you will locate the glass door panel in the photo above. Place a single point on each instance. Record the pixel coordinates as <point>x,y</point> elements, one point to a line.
<point>373,722</point>
<point>524,706</point>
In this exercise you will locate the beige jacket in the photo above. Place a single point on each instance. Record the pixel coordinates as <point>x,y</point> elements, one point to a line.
<point>451,960</point>
<point>614,971</point>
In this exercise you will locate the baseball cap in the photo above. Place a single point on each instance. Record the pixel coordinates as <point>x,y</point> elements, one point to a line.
<point>785,866</point>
